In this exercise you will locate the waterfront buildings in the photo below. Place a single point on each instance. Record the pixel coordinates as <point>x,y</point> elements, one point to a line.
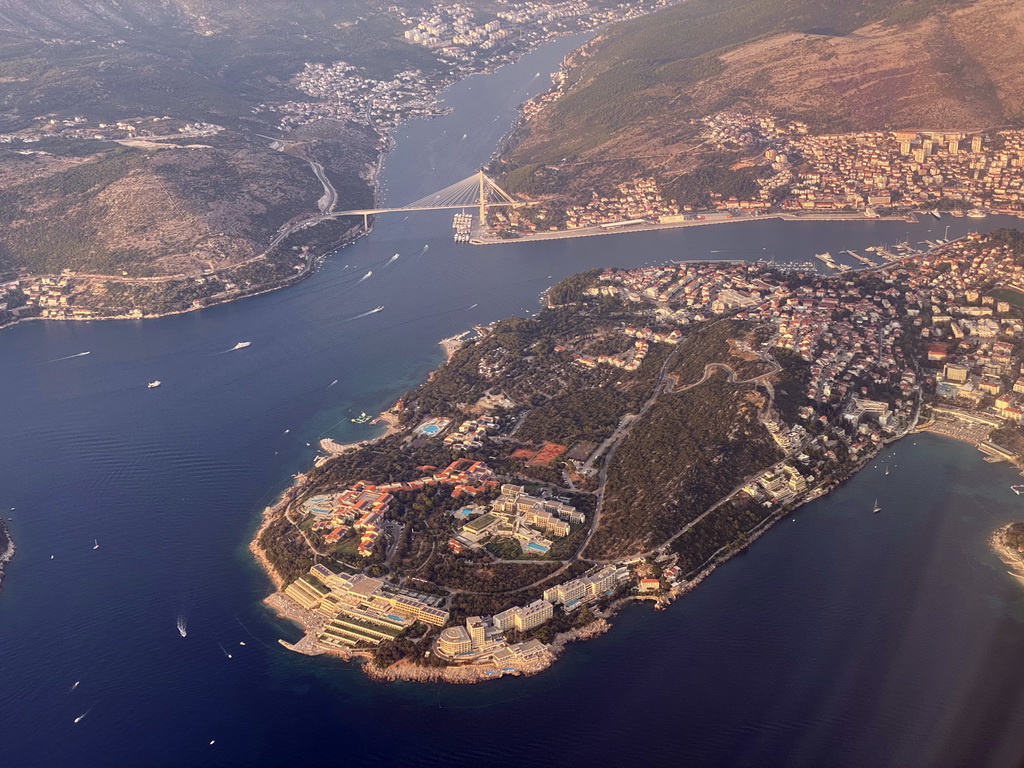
<point>600,581</point>
<point>357,608</point>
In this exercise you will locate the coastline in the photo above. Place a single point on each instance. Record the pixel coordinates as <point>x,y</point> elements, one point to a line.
<point>334,448</point>
<point>267,517</point>
<point>564,234</point>
<point>1010,556</point>
<point>372,180</point>
<point>307,271</point>
<point>284,607</point>
<point>7,555</point>
<point>453,344</point>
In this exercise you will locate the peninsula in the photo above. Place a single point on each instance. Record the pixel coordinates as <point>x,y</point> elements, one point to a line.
<point>645,426</point>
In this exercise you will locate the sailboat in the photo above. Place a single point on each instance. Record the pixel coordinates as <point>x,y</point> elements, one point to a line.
<point>876,509</point>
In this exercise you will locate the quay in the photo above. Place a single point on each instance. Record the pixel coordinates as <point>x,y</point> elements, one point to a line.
<point>480,238</point>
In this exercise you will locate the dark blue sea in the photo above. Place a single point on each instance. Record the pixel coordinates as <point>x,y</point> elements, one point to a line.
<point>841,638</point>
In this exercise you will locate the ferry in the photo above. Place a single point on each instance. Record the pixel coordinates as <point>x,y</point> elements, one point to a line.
<point>1018,489</point>
<point>154,384</point>
<point>976,213</point>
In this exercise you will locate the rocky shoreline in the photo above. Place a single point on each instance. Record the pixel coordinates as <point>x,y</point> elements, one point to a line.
<point>1010,555</point>
<point>463,675</point>
<point>269,515</point>
<point>307,271</point>
<point>8,543</point>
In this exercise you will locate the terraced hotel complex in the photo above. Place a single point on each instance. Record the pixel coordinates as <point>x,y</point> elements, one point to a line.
<point>754,391</point>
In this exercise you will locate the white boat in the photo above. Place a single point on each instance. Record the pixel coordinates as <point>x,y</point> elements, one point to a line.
<point>241,345</point>
<point>95,543</point>
<point>976,213</point>
<point>377,309</point>
<point>876,509</point>
<point>181,626</point>
<point>154,384</point>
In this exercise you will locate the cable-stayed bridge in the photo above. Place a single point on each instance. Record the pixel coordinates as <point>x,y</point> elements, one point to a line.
<point>477,191</point>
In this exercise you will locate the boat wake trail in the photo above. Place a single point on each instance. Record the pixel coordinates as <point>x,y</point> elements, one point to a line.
<point>81,717</point>
<point>393,259</point>
<point>239,345</point>
<point>363,314</point>
<point>69,357</point>
<point>420,254</point>
<point>364,277</point>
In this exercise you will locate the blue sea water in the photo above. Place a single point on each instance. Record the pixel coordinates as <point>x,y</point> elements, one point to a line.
<point>841,638</point>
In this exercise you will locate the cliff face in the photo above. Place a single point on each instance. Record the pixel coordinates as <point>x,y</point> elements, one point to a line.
<point>938,65</point>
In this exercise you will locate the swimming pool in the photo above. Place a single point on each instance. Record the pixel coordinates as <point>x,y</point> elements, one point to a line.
<point>430,429</point>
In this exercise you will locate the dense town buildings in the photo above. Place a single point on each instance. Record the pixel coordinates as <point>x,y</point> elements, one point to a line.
<point>873,170</point>
<point>462,39</point>
<point>932,337</point>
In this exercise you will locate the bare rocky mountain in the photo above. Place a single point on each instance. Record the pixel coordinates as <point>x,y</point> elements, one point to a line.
<point>636,92</point>
<point>136,143</point>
